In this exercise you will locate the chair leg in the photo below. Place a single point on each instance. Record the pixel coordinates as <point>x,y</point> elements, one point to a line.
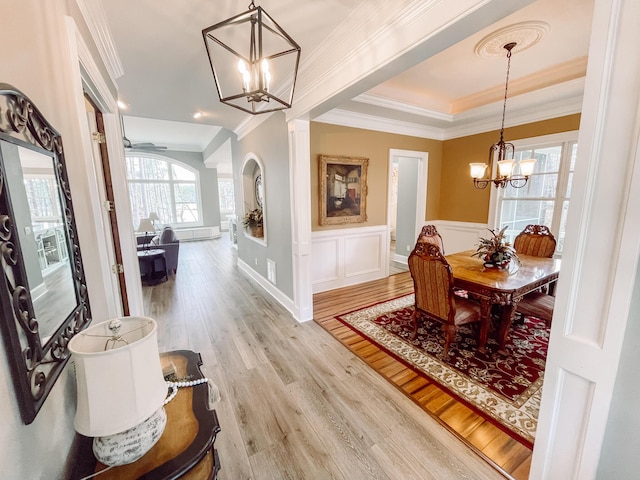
<point>414,319</point>
<point>450,332</point>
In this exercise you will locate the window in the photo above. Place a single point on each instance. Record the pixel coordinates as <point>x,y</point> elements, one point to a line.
<point>545,198</point>
<point>42,195</point>
<point>226,194</point>
<point>166,187</point>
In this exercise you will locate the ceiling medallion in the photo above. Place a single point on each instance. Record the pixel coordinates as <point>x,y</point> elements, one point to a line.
<point>524,34</point>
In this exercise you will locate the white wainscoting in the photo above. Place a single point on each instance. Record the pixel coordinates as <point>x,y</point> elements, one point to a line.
<point>459,236</point>
<point>348,256</point>
<point>197,233</point>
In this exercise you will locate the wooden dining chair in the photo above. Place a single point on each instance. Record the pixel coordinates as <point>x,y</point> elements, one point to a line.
<point>434,295</point>
<point>537,304</point>
<point>535,240</point>
<point>429,234</point>
<point>538,241</point>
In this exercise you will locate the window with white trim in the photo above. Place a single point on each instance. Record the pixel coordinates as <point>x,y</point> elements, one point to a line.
<point>227,196</point>
<point>545,198</point>
<point>42,195</point>
<point>164,186</point>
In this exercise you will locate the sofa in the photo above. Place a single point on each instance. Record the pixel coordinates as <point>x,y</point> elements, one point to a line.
<point>168,241</point>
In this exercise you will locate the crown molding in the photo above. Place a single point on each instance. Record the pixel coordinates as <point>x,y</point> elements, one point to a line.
<point>346,118</point>
<point>402,107</point>
<point>557,74</point>
<point>544,110</point>
<point>538,107</point>
<point>93,14</point>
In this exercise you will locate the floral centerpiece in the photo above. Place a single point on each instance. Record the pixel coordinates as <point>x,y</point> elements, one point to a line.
<point>252,221</point>
<point>495,250</point>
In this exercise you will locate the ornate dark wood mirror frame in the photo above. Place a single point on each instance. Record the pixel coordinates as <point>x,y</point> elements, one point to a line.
<point>36,363</point>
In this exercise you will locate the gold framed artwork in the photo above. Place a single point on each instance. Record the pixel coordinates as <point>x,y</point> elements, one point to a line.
<point>343,189</point>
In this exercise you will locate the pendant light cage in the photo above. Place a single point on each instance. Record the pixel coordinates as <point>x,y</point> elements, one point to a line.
<point>254,62</point>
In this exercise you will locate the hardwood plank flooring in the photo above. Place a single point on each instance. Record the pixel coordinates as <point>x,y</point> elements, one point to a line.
<point>296,404</point>
<point>507,455</point>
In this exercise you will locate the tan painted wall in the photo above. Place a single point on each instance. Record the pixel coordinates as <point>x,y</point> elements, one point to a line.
<point>459,200</point>
<point>336,140</point>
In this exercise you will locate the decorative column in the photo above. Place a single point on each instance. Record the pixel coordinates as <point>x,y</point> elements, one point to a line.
<point>300,186</point>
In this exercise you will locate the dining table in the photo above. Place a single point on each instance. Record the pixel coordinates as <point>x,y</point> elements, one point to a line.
<point>504,287</point>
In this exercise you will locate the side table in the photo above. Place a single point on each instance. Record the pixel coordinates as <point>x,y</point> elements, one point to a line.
<point>185,449</point>
<point>153,266</point>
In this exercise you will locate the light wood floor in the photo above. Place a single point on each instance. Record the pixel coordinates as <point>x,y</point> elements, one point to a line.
<point>296,404</point>
<point>58,300</point>
<point>509,456</point>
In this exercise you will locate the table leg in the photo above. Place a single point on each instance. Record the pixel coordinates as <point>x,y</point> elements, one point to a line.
<point>506,315</point>
<point>485,322</point>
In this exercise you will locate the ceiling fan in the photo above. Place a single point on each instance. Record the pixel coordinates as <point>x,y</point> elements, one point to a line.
<point>148,146</point>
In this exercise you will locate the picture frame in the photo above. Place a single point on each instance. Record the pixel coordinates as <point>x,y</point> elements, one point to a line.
<point>343,189</point>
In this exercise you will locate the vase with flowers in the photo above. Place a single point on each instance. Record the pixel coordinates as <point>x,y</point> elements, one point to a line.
<point>252,222</point>
<point>496,251</point>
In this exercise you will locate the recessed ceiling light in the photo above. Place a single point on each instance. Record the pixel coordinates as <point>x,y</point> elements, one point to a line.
<point>122,105</point>
<point>197,115</point>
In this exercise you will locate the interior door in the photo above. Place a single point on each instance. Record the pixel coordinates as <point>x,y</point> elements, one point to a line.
<point>96,127</point>
<point>409,205</point>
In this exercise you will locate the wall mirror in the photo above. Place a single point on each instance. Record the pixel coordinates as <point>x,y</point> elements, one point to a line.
<point>44,294</point>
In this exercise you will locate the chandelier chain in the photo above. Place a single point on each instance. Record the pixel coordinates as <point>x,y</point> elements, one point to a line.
<point>508,47</point>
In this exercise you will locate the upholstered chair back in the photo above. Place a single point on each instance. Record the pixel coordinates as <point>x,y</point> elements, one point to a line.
<point>535,240</point>
<point>433,281</point>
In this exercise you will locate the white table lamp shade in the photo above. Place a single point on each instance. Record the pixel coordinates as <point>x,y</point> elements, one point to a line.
<point>146,225</point>
<point>118,388</point>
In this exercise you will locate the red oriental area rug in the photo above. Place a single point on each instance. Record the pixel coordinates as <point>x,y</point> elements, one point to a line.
<point>505,389</point>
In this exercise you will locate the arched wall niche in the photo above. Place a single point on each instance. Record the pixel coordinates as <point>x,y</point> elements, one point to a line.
<point>253,198</point>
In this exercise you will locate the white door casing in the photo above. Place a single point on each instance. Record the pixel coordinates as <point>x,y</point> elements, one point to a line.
<point>601,254</point>
<point>421,200</point>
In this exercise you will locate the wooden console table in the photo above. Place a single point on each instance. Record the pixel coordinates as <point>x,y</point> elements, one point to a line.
<point>185,449</point>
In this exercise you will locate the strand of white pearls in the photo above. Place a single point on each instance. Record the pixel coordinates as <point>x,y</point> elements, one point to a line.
<point>173,387</point>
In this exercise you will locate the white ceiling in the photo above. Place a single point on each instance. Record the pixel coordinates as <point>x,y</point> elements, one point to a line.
<point>184,136</point>
<point>455,92</point>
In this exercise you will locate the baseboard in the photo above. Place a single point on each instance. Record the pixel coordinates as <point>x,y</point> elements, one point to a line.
<point>197,233</point>
<point>403,259</point>
<point>269,287</point>
<point>38,291</point>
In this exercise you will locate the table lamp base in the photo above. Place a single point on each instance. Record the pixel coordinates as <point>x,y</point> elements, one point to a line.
<point>128,446</point>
